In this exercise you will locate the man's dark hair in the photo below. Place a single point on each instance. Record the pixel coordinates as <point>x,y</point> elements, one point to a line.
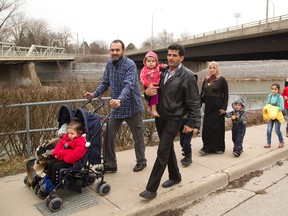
<point>118,41</point>
<point>178,47</point>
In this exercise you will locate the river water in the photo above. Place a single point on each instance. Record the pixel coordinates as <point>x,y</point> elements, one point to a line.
<point>257,92</point>
<point>254,77</point>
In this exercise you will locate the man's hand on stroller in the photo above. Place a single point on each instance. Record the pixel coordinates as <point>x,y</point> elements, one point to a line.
<point>88,95</point>
<point>115,103</point>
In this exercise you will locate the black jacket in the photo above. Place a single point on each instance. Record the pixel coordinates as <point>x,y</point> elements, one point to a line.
<point>179,96</point>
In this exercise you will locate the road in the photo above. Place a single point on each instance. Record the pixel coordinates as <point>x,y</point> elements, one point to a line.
<point>262,193</point>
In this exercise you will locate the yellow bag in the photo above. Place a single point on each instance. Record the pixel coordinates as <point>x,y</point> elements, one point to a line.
<point>271,112</point>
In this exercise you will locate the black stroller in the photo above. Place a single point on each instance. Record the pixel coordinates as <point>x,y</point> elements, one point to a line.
<point>81,174</point>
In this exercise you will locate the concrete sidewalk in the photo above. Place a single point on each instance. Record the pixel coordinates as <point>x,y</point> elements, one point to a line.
<point>205,175</point>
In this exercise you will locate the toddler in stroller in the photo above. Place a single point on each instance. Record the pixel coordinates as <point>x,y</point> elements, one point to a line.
<point>75,176</point>
<point>70,149</point>
<point>35,165</point>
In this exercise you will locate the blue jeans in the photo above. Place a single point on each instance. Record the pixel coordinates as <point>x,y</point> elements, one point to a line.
<point>277,130</point>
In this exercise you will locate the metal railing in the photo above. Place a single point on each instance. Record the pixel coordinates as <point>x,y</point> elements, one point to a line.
<point>28,130</point>
<point>27,106</point>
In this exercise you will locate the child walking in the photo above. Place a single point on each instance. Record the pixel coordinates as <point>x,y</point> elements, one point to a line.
<point>185,142</point>
<point>275,99</point>
<point>239,120</point>
<point>150,77</point>
<point>285,97</point>
<point>67,152</point>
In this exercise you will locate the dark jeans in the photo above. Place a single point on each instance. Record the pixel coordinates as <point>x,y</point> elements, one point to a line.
<point>167,131</point>
<point>238,133</point>
<point>185,139</point>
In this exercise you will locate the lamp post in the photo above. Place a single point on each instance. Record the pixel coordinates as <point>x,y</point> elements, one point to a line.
<point>267,10</point>
<point>152,29</point>
<point>237,16</point>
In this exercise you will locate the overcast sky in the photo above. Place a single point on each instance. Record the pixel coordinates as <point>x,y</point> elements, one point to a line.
<point>131,20</point>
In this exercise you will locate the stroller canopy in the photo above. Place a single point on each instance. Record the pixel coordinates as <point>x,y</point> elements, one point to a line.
<point>92,127</point>
<point>65,115</point>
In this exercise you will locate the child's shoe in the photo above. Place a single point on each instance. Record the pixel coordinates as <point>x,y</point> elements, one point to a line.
<point>281,145</point>
<point>267,146</point>
<point>236,153</point>
<point>47,185</point>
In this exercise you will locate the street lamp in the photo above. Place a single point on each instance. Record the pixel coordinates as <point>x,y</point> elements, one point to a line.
<point>267,9</point>
<point>237,16</point>
<point>152,29</point>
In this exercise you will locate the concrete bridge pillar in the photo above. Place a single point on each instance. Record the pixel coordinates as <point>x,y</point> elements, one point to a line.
<point>19,75</point>
<point>196,66</point>
<point>29,71</point>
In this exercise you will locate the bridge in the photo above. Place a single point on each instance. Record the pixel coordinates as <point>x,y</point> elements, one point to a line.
<point>10,53</point>
<point>259,40</point>
<point>19,65</point>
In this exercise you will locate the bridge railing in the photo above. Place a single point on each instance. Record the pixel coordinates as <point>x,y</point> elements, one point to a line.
<point>242,26</point>
<point>11,50</point>
<point>223,30</point>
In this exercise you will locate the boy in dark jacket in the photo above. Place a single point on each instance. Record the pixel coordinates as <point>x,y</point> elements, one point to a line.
<point>239,120</point>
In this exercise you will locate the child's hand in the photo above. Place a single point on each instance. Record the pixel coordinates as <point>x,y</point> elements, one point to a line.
<point>233,117</point>
<point>151,86</point>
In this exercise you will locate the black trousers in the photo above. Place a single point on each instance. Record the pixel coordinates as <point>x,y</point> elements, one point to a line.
<point>167,131</point>
<point>54,166</point>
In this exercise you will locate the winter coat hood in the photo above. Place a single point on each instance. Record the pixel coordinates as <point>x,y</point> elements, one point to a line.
<point>151,54</point>
<point>239,101</point>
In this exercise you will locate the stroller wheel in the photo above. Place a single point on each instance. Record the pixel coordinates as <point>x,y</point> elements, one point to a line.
<point>91,180</point>
<point>49,198</point>
<point>97,186</point>
<point>104,189</point>
<point>26,180</point>
<point>36,189</point>
<point>42,194</point>
<point>55,204</point>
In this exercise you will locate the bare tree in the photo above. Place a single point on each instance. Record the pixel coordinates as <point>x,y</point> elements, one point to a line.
<point>38,32</point>
<point>64,37</point>
<point>163,38</point>
<point>19,26</point>
<point>8,9</point>
<point>99,47</point>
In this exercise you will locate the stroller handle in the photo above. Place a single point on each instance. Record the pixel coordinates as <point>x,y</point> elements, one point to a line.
<point>98,107</point>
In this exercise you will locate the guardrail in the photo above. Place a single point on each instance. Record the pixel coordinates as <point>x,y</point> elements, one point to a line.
<point>28,130</point>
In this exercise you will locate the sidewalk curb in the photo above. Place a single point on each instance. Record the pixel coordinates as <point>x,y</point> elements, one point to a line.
<point>199,188</point>
<point>175,198</point>
<point>254,164</point>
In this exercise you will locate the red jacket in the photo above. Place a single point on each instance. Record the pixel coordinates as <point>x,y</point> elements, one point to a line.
<point>75,151</point>
<point>285,93</point>
<point>148,75</point>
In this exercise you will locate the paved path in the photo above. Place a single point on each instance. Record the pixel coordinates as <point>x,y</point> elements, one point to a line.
<point>206,174</point>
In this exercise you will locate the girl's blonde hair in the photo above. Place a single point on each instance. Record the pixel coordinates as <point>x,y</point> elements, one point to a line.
<point>218,72</point>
